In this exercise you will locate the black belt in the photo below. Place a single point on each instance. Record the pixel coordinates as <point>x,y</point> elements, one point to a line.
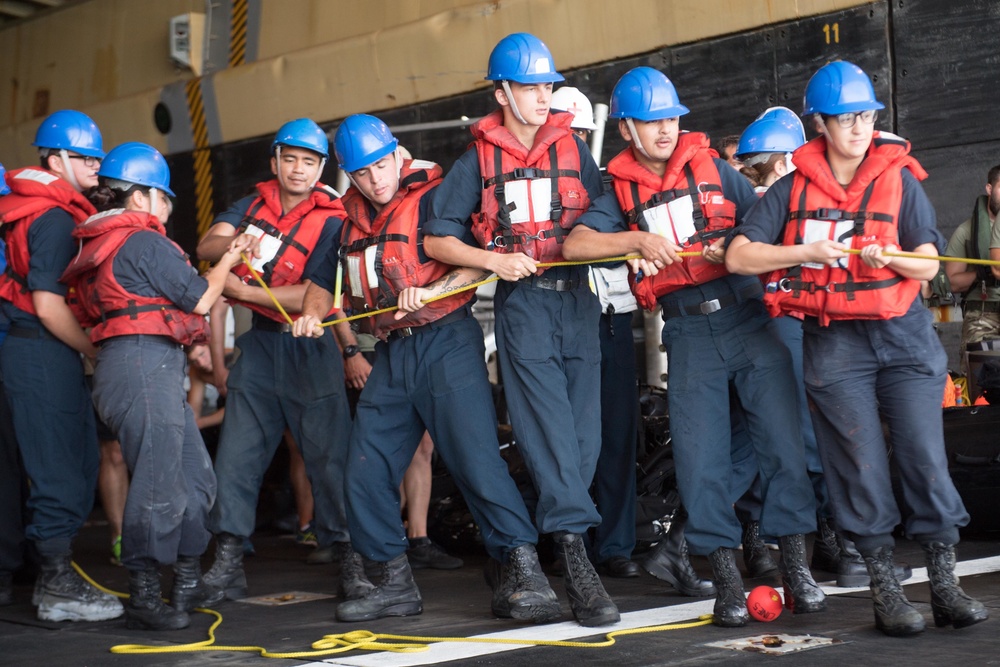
<point>556,284</point>
<point>264,324</point>
<point>983,306</point>
<point>406,332</point>
<point>673,309</point>
<point>18,331</point>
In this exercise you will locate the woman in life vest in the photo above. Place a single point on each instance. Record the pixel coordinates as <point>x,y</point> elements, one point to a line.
<point>869,347</point>
<point>765,149</point>
<point>145,301</point>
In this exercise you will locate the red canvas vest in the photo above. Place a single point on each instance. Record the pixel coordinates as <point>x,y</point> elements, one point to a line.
<point>107,306</point>
<point>531,196</point>
<point>866,213</point>
<point>381,256</point>
<point>34,192</point>
<point>686,205</point>
<point>291,237</point>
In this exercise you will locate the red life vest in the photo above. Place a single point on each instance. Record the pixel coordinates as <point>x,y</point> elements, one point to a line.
<point>34,192</point>
<point>531,196</point>
<point>866,212</point>
<point>382,256</point>
<point>686,205</point>
<point>107,306</point>
<point>288,240</point>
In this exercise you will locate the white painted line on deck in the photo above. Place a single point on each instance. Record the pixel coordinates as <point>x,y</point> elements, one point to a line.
<point>570,630</point>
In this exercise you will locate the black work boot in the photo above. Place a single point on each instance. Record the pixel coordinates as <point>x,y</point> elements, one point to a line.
<point>949,603</point>
<point>145,610</point>
<point>756,556</point>
<point>354,583</point>
<point>189,589</point>
<point>802,594</point>
<point>852,571</point>
<point>424,553</point>
<point>894,615</point>
<point>591,604</point>
<point>396,595</point>
<point>62,595</point>
<point>226,572</point>
<point>730,602</point>
<point>826,551</point>
<point>670,561</point>
<point>520,589</point>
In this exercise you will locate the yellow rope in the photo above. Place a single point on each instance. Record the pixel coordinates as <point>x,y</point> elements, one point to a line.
<point>369,641</point>
<point>546,265</point>
<point>940,258</point>
<point>493,278</point>
<point>266,289</point>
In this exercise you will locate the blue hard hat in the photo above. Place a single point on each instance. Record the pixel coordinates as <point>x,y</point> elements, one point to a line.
<point>777,130</point>
<point>839,87</point>
<point>523,58</point>
<point>302,133</point>
<point>138,163</point>
<point>4,190</point>
<point>70,130</point>
<point>645,94</point>
<point>361,140</point>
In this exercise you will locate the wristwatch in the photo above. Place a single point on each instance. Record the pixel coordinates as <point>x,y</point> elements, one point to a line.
<point>350,351</point>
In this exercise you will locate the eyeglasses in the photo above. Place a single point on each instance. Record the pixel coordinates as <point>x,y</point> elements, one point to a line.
<point>848,119</point>
<point>88,160</point>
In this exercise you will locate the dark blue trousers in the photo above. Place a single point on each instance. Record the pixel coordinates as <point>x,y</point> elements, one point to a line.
<point>614,481</point>
<point>435,380</point>
<point>706,353</point>
<point>139,394</point>
<point>855,370</point>
<point>54,424</point>
<point>12,493</point>
<point>549,356</point>
<point>789,330</point>
<point>281,381</point>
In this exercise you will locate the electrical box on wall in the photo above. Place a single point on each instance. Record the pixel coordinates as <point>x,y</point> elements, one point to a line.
<point>187,41</point>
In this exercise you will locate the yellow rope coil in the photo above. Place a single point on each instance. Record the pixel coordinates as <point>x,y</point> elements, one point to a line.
<point>370,641</point>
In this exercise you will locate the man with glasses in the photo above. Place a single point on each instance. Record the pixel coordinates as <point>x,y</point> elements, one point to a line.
<point>40,359</point>
<point>672,193</point>
<point>870,351</point>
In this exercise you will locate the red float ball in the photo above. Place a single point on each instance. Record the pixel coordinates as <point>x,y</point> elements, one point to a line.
<point>764,604</point>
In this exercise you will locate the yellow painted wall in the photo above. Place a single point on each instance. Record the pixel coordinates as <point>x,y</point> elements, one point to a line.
<point>326,59</point>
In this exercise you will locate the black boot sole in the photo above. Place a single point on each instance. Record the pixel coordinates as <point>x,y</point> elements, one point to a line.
<point>664,574</point>
<point>598,620</point>
<point>537,612</point>
<point>942,619</point>
<point>402,609</point>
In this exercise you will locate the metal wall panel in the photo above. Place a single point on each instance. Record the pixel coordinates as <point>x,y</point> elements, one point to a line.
<point>947,70</point>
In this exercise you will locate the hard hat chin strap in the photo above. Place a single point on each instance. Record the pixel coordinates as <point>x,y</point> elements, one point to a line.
<point>510,100</point>
<point>152,200</point>
<point>635,138</point>
<point>68,168</point>
<point>319,173</point>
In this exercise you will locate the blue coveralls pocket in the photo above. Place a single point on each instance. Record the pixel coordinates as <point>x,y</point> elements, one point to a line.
<point>531,331</point>
<point>318,371</point>
<point>460,367</point>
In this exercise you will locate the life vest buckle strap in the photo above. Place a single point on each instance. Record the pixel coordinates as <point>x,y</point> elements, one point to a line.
<point>834,214</point>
